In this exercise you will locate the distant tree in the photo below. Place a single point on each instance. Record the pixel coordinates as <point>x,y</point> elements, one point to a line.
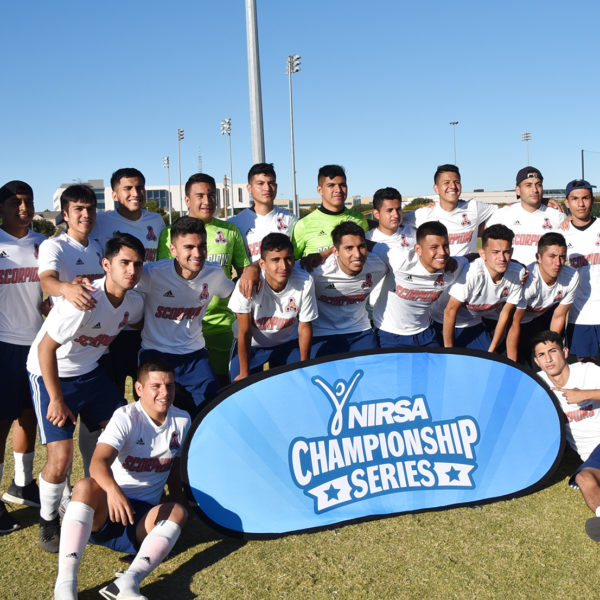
<point>307,211</point>
<point>43,226</point>
<point>152,206</point>
<point>165,216</point>
<point>416,203</point>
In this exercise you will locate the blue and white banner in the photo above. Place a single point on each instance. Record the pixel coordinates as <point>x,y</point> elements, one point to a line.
<point>370,434</point>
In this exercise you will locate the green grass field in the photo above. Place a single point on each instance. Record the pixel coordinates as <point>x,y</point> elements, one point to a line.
<point>530,547</point>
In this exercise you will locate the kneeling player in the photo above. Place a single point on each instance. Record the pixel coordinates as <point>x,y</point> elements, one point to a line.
<point>118,507</point>
<point>274,325</point>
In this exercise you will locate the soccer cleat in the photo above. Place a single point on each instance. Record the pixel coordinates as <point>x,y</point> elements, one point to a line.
<point>66,590</point>
<point>7,522</point>
<point>592,528</point>
<point>112,592</point>
<point>29,494</point>
<point>49,534</point>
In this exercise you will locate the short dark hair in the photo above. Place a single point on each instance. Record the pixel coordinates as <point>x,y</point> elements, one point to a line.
<point>346,228</point>
<point>199,178</point>
<point>545,337</point>
<point>496,232</point>
<point>445,169</point>
<point>261,169</point>
<point>120,240</point>
<point>431,228</point>
<point>187,225</point>
<point>77,193</point>
<point>330,172</point>
<point>388,193</point>
<point>155,363</point>
<point>552,238</point>
<point>274,242</point>
<point>12,188</point>
<point>125,172</point>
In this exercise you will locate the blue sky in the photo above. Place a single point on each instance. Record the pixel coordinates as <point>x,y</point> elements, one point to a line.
<point>90,87</point>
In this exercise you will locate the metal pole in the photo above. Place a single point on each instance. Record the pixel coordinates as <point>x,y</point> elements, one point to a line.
<point>231,174</point>
<point>582,167</point>
<point>167,165</point>
<point>256,116</point>
<point>454,124</point>
<point>179,138</point>
<point>293,66</point>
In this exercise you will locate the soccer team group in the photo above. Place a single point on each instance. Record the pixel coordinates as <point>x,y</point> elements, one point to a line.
<point>128,296</point>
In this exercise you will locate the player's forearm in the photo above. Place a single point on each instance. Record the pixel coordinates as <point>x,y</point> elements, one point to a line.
<point>49,369</point>
<point>244,341</point>
<point>559,318</point>
<point>51,284</point>
<point>512,340</point>
<point>304,339</point>
<point>448,326</point>
<point>501,325</point>
<point>100,470</point>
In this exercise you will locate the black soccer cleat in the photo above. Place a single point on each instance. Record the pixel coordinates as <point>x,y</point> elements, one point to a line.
<point>49,534</point>
<point>112,592</point>
<point>29,494</point>
<point>8,523</point>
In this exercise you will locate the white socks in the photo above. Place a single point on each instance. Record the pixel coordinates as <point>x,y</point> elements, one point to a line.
<point>598,511</point>
<point>74,535</point>
<point>23,468</point>
<point>50,495</point>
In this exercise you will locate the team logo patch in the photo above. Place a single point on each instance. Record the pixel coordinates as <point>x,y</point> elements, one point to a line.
<point>439,280</point>
<point>291,305</point>
<point>125,320</point>
<point>465,220</point>
<point>559,296</point>
<point>547,224</point>
<point>98,325</point>
<point>403,241</point>
<point>281,226</point>
<point>168,294</point>
<point>36,250</point>
<point>597,241</point>
<point>220,239</point>
<point>204,294</point>
<point>151,235</point>
<point>174,443</point>
<point>368,282</point>
<point>79,262</point>
<point>504,293</point>
<point>3,254</point>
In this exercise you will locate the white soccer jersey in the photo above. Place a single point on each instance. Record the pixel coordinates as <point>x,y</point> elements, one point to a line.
<point>254,227</point>
<point>539,297</point>
<point>583,252</point>
<point>174,306</point>
<point>462,222</point>
<point>20,289</point>
<point>342,299</point>
<point>484,298</point>
<point>146,451</point>
<point>528,227</point>
<point>84,335</point>
<point>409,289</point>
<point>404,236</point>
<point>275,315</point>
<point>147,229</point>
<point>583,419</point>
<point>70,259</point>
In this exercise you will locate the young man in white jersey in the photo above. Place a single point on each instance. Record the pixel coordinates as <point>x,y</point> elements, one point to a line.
<point>343,286</point>
<point>464,219</point>
<point>387,209</point>
<point>491,287</point>
<point>528,219</point>
<point>129,194</point>
<point>583,253</point>
<point>415,280</point>
<point>20,319</point>
<point>65,377</point>
<point>177,293</point>
<point>119,507</point>
<point>547,297</point>
<point>577,389</point>
<point>263,217</point>
<point>275,324</point>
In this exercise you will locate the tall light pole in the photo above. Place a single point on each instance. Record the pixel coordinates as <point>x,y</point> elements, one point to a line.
<point>179,138</point>
<point>454,124</point>
<point>226,130</point>
<point>256,116</point>
<point>167,166</point>
<point>293,66</point>
<point>526,137</point>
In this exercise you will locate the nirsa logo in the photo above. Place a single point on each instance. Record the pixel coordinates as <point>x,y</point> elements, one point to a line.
<point>381,447</point>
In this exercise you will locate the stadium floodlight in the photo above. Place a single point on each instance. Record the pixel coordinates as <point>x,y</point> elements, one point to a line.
<point>226,130</point>
<point>526,137</point>
<point>293,66</point>
<point>167,166</point>
<point>179,138</point>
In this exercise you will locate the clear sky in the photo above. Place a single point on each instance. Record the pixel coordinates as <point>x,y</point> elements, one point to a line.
<point>93,86</point>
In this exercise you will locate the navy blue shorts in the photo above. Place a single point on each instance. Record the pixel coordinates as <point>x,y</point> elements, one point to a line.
<point>16,396</point>
<point>276,356</point>
<point>475,337</point>
<point>583,340</point>
<point>427,338</point>
<point>92,396</point>
<point>324,345</point>
<point>123,354</point>
<point>593,461</point>
<point>119,537</point>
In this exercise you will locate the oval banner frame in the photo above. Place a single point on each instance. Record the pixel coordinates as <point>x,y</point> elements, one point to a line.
<point>369,435</point>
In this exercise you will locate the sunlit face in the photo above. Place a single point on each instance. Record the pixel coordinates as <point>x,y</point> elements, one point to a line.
<point>201,201</point>
<point>550,358</point>
<point>80,217</point>
<point>580,203</point>
<point>17,213</point>
<point>433,251</point>
<point>263,189</point>
<point>351,254</point>
<point>124,269</point>
<point>496,255</point>
<point>448,187</point>
<point>278,266</point>
<point>130,195</point>
<point>156,393</point>
<point>531,192</point>
<point>333,192</point>
<point>552,261</point>
<point>389,215</point>
<point>189,250</point>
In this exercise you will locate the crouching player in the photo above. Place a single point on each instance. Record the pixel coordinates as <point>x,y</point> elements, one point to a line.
<point>118,507</point>
<point>274,325</point>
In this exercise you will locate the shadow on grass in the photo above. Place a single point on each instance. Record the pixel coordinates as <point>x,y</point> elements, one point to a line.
<point>568,465</point>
